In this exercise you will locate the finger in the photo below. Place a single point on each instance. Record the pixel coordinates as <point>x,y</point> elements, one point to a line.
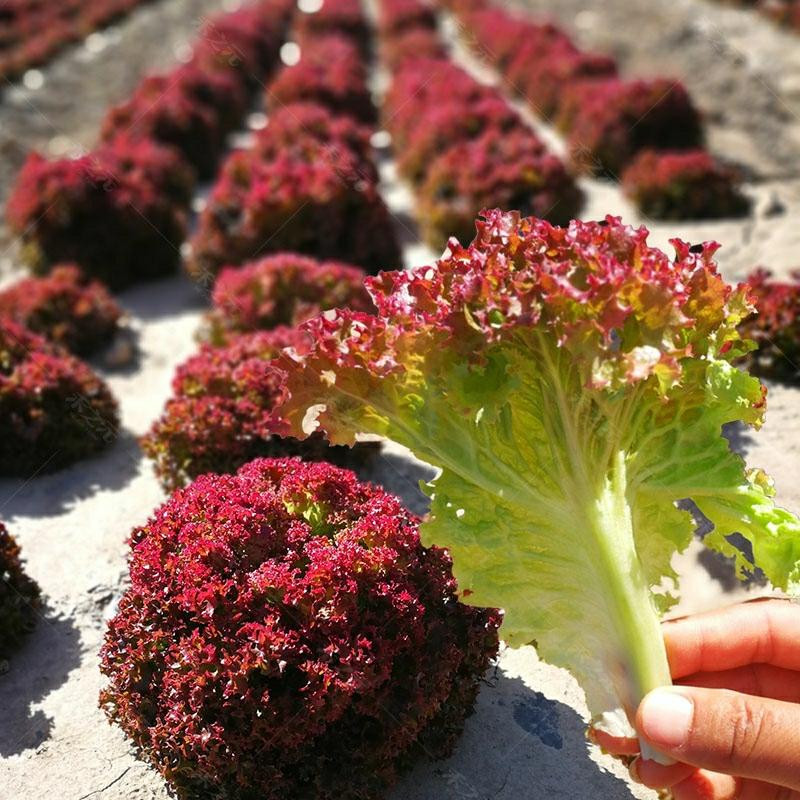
<point>705,785</point>
<point>724,731</point>
<point>766,632</point>
<point>656,776</point>
<point>689,783</point>
<point>615,745</point>
<point>756,790</point>
<point>761,680</point>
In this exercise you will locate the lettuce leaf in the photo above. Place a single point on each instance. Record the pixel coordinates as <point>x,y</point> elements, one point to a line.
<point>571,385</point>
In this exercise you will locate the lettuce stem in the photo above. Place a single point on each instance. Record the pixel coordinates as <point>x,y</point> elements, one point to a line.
<point>639,663</point>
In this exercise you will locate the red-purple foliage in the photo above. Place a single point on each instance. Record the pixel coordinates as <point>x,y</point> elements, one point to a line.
<point>423,84</point>
<point>511,171</point>
<point>412,45</point>
<point>220,415</point>
<point>441,126</point>
<point>19,595</point>
<point>32,32</point>
<point>30,50</point>
<point>317,203</point>
<point>65,307</point>
<point>297,126</point>
<point>689,184</point>
<point>189,108</point>
<point>786,12</point>
<point>344,18</point>
<point>287,636</point>
<point>542,71</point>
<point>222,412</point>
<point>246,41</point>
<point>468,149</point>
<point>536,61</point>
<point>793,15</point>
<point>611,120</point>
<point>53,409</point>
<point>572,99</point>
<point>284,289</point>
<point>496,35</point>
<point>221,91</point>
<point>397,17</point>
<point>330,72</point>
<point>194,106</point>
<point>145,162</point>
<point>792,19</point>
<point>116,227</point>
<point>776,327</point>
<point>464,6</point>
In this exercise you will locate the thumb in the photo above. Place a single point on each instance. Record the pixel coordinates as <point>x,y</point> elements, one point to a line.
<point>723,731</point>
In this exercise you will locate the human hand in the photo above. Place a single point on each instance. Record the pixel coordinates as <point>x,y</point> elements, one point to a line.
<point>732,722</point>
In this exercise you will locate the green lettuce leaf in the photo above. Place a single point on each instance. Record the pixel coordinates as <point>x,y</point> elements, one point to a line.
<point>571,386</point>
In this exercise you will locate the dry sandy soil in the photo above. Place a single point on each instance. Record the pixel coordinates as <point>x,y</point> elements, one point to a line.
<point>526,738</point>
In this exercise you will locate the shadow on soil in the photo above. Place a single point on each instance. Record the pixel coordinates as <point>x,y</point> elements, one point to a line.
<point>49,495</point>
<point>723,570</point>
<point>157,299</point>
<point>123,356</point>
<point>406,228</point>
<point>400,475</point>
<point>720,567</point>
<point>41,664</point>
<point>519,743</point>
<point>739,436</point>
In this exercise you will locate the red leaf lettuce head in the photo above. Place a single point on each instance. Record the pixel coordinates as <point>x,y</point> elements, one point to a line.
<point>284,289</point>
<point>330,72</point>
<point>189,108</point>
<point>19,595</point>
<point>413,44</point>
<point>500,35</point>
<point>397,17</point>
<point>113,223</point>
<point>441,125</point>
<point>426,83</point>
<point>541,71</point>
<point>342,18</point>
<point>610,120</point>
<point>222,412</point>
<point>286,635</point>
<point>775,327</point>
<point>684,184</point>
<point>246,41</point>
<point>145,162</point>
<point>65,307</point>
<point>310,200</point>
<point>53,409</point>
<point>301,127</point>
<point>506,169</point>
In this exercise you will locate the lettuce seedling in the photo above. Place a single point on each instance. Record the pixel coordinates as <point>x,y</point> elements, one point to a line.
<point>571,385</point>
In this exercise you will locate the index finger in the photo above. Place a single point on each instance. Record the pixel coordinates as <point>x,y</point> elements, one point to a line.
<point>616,745</point>
<point>758,632</point>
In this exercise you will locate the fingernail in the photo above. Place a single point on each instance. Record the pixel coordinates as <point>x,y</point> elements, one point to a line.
<point>634,771</point>
<point>666,717</point>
